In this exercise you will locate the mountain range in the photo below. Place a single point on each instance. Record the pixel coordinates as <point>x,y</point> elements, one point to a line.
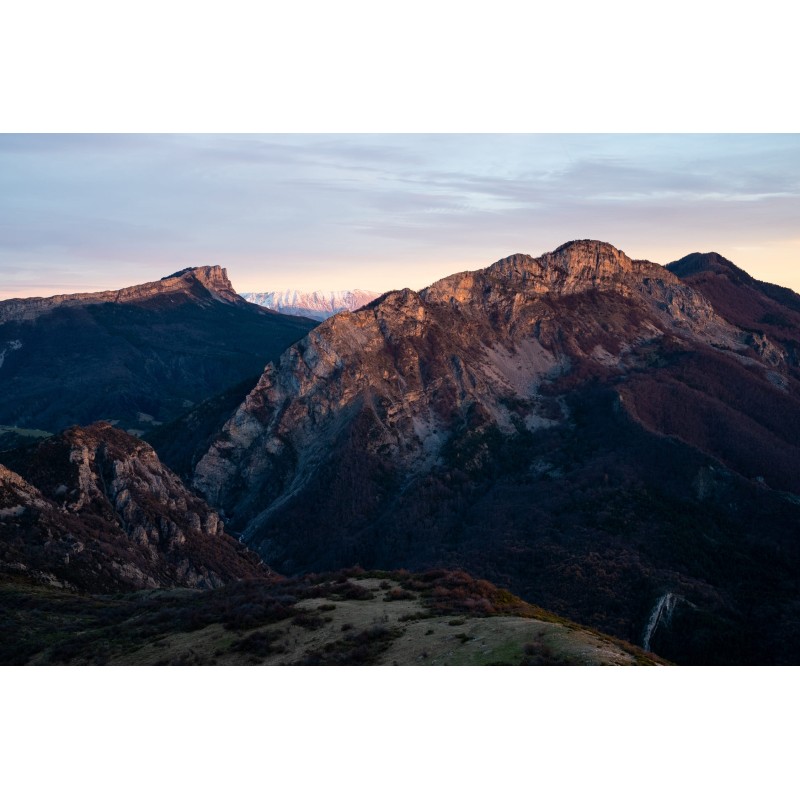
<point>610,439</point>
<point>318,305</point>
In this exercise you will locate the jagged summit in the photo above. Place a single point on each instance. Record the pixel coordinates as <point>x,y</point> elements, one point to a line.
<point>576,254</point>
<point>573,267</point>
<point>588,246</point>
<point>588,259</point>
<point>212,277</point>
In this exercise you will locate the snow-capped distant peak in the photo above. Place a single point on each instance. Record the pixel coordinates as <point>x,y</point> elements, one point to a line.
<point>317,305</point>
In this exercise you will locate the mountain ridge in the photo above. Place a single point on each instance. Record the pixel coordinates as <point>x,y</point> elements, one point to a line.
<point>190,282</point>
<point>403,315</point>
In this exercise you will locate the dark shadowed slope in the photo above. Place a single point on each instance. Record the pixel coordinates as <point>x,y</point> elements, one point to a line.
<point>139,356</point>
<point>181,443</point>
<point>753,305</point>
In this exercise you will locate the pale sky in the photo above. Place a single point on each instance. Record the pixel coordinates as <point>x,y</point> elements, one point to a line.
<point>377,211</point>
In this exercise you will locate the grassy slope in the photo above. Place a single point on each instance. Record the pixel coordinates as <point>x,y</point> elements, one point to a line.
<point>336,619</point>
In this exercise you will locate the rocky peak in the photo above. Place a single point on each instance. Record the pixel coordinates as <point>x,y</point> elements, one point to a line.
<point>573,267</point>
<point>579,257</point>
<point>590,256</point>
<point>97,465</point>
<point>519,281</point>
<point>215,279</point>
<point>208,275</point>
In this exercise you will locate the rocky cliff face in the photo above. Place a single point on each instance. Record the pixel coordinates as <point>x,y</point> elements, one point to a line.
<point>97,510</point>
<point>578,268</point>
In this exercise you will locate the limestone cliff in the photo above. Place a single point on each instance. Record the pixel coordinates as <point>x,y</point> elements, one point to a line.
<point>97,510</point>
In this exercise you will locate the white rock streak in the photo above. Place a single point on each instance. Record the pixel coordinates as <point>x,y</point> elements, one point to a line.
<point>661,615</point>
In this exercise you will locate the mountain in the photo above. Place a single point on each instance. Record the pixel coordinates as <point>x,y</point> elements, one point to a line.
<point>749,303</point>
<point>314,305</point>
<point>588,430</point>
<point>93,509</point>
<point>199,284</point>
<point>139,356</point>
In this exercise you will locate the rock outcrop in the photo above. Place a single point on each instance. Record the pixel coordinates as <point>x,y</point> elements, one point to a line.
<point>96,510</point>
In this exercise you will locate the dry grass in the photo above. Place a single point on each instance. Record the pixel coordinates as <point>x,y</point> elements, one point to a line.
<point>326,620</point>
